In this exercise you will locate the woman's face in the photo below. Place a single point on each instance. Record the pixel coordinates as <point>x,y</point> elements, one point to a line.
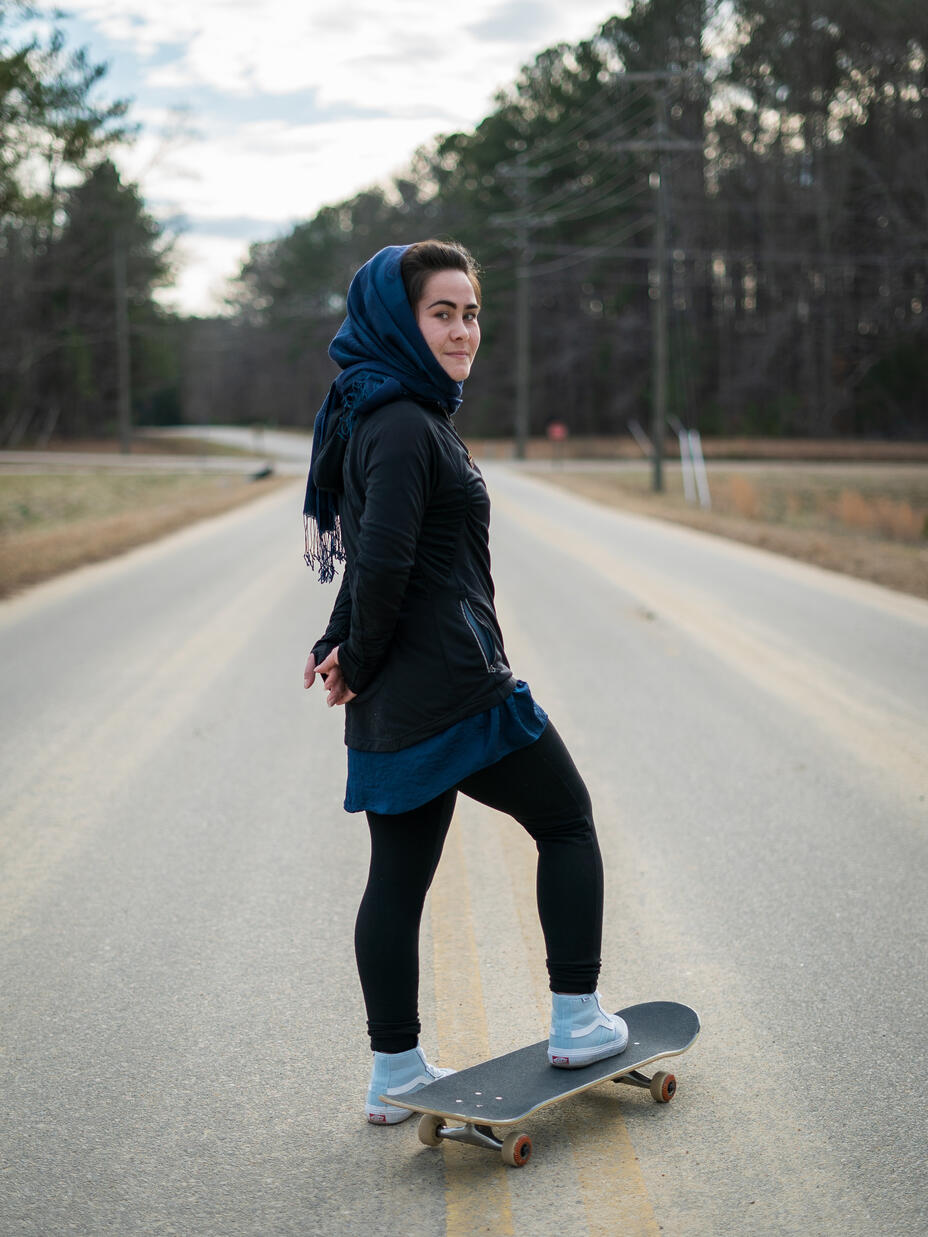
<point>447,317</point>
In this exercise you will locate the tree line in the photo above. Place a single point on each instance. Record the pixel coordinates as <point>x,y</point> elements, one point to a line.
<point>81,337</point>
<point>759,167</point>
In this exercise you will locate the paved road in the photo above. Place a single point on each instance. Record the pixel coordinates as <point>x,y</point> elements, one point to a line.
<point>180,1041</point>
<point>287,450</point>
<point>281,444</point>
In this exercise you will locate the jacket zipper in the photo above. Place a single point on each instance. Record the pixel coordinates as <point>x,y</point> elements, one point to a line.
<point>471,622</point>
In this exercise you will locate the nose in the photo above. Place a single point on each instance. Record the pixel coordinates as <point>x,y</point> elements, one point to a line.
<point>459,329</point>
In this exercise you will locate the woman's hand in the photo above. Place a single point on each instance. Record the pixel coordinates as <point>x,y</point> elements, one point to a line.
<point>337,690</point>
<point>309,674</point>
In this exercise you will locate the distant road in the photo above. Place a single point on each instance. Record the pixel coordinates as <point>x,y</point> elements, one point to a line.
<point>289,448</point>
<point>182,1046</point>
<point>287,451</point>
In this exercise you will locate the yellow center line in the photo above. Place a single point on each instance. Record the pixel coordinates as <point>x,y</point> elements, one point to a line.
<point>615,1197</point>
<point>608,1173</point>
<point>605,1169</point>
<point>477,1198</point>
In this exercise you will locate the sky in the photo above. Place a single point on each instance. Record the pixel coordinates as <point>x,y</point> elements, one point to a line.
<point>256,114</point>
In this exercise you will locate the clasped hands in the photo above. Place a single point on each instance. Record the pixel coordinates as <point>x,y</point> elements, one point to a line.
<point>337,690</point>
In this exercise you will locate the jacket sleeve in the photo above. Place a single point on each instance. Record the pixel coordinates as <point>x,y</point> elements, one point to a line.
<point>397,471</point>
<point>339,623</point>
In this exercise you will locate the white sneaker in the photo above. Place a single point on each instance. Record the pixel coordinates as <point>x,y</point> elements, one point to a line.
<point>582,1032</point>
<point>400,1074</point>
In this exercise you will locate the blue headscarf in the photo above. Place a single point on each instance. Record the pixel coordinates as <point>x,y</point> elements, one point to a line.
<point>383,357</point>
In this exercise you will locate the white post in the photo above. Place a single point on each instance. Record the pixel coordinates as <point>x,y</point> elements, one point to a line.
<point>686,466</point>
<point>643,441</point>
<point>686,459</point>
<point>699,469</point>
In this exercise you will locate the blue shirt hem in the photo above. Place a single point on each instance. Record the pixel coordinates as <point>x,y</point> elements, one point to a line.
<point>393,782</point>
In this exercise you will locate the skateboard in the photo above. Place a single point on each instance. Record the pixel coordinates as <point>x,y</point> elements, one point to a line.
<point>464,1107</point>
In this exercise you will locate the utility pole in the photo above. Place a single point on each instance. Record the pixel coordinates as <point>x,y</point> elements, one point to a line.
<point>123,376</point>
<point>523,344</point>
<point>661,144</point>
<point>659,291</point>
<point>522,222</point>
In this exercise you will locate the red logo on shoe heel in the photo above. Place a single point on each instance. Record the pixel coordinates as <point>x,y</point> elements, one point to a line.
<point>377,1118</point>
<point>560,1060</point>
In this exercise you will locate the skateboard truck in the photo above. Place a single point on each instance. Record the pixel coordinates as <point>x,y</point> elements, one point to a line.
<point>663,1086</point>
<point>515,1148</point>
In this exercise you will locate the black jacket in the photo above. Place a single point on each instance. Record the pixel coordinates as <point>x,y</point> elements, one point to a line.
<point>414,619</point>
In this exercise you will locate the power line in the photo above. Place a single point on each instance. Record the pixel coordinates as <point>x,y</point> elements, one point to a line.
<point>660,142</point>
<point>584,208</point>
<point>589,253</point>
<point>562,139</point>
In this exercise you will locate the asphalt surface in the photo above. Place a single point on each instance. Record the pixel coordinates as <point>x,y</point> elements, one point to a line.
<point>287,451</point>
<point>182,1046</point>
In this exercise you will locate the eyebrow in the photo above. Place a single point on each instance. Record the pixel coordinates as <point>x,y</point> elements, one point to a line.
<point>453,304</point>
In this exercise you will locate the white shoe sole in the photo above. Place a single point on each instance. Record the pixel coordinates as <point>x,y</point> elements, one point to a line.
<point>576,1058</point>
<point>377,1114</point>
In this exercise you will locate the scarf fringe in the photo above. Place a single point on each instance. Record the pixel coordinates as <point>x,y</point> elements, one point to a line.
<point>322,550</point>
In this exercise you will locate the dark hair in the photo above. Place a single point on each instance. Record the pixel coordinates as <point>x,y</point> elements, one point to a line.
<point>425,258</point>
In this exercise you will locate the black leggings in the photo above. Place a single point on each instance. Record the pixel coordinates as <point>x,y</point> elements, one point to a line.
<point>540,787</point>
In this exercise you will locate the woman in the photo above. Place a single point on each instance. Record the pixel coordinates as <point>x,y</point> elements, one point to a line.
<point>414,652</point>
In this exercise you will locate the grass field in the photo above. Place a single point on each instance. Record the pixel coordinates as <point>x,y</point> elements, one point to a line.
<point>52,523</point>
<point>867,520</point>
<point>142,444</point>
<point>794,450</point>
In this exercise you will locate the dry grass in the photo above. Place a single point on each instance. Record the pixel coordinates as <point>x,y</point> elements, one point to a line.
<point>624,447</point>
<point>143,444</point>
<point>50,524</point>
<point>869,521</point>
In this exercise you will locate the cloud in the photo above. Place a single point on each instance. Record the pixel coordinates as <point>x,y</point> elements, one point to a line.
<point>278,169</point>
<point>356,50</point>
<point>205,266</point>
<point>230,227</point>
<point>515,21</point>
<point>289,107</point>
<point>222,112</point>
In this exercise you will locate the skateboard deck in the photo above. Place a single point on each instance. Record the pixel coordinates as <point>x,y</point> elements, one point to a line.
<point>505,1090</point>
